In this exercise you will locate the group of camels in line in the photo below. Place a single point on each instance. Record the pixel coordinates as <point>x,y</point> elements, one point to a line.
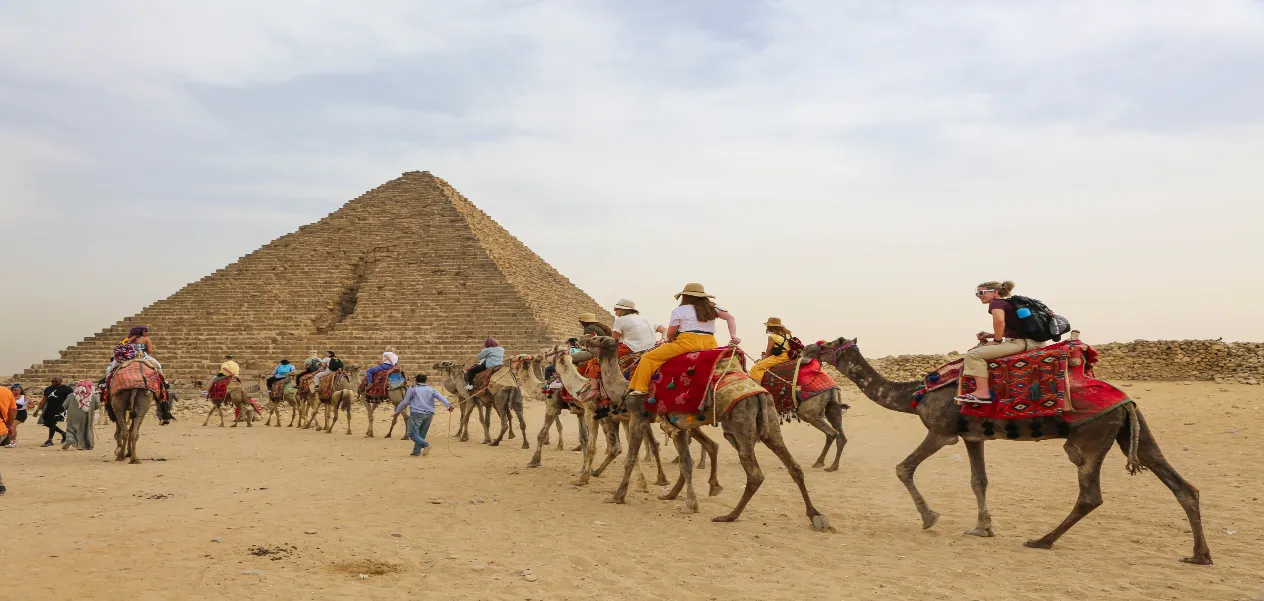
<point>749,421</point>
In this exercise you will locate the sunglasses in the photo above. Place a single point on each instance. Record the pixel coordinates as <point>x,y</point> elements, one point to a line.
<point>980,293</point>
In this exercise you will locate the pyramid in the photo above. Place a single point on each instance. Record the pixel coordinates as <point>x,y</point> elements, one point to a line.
<point>411,264</point>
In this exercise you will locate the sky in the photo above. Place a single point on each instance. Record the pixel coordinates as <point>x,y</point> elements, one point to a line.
<point>854,168</point>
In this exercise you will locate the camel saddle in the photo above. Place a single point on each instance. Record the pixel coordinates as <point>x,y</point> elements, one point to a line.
<point>219,388</point>
<point>1055,380</point>
<point>812,381</point>
<point>277,393</point>
<point>134,374</point>
<point>383,382</point>
<point>493,379</point>
<point>686,384</point>
<point>305,381</point>
<point>326,392</point>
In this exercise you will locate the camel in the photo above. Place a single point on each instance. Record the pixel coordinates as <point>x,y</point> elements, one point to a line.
<point>342,398</point>
<point>236,395</point>
<point>393,396</point>
<point>308,403</point>
<point>1086,445</point>
<point>216,405</point>
<point>130,406</point>
<point>825,412</point>
<point>527,370</point>
<point>501,394</point>
<point>289,396</point>
<point>750,420</point>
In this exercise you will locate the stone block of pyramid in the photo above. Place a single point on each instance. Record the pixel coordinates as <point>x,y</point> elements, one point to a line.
<point>411,264</point>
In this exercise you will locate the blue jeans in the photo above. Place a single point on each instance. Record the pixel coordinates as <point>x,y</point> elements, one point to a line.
<point>418,427</point>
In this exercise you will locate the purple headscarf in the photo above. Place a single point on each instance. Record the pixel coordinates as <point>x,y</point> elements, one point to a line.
<point>490,342</point>
<point>137,331</point>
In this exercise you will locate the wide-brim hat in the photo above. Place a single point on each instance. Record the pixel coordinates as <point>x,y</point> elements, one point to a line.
<point>625,304</point>
<point>588,317</point>
<point>694,289</point>
<point>774,321</point>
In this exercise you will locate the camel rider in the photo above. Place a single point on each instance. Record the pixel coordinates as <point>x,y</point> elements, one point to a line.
<point>777,351</point>
<point>313,362</point>
<point>136,345</point>
<point>1006,338</point>
<point>389,361</point>
<point>280,372</point>
<point>572,345</point>
<point>691,328</point>
<point>492,355</point>
<point>331,364</point>
<point>633,330</point>
<point>227,369</point>
<point>585,363</point>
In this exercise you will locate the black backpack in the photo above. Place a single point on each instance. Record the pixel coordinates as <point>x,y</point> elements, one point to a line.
<point>1038,322</point>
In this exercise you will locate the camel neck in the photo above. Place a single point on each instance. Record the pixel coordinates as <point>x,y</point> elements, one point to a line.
<point>896,396</point>
<point>612,381</point>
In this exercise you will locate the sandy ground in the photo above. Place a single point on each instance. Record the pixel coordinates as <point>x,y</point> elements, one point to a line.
<point>225,514</point>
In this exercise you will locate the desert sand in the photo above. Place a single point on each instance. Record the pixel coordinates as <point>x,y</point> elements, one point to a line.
<point>279,513</point>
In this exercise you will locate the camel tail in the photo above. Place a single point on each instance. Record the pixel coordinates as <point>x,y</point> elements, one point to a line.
<point>1129,438</point>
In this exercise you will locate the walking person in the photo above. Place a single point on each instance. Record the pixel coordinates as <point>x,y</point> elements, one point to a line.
<point>19,401</point>
<point>52,409</point>
<point>420,401</point>
<point>8,416</point>
<point>80,410</point>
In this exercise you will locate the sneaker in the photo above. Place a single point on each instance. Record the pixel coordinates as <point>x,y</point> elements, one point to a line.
<point>469,387</point>
<point>66,444</point>
<point>414,454</point>
<point>47,443</point>
<point>11,445</point>
<point>425,451</point>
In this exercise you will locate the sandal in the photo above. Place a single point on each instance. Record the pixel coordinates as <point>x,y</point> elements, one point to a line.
<point>970,398</point>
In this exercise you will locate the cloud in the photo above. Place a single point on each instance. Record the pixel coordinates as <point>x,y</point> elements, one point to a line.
<point>878,157</point>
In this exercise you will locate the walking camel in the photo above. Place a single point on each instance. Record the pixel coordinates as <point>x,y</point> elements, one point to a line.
<point>343,396</point>
<point>501,394</point>
<point>1086,446</point>
<point>750,420</point>
<point>289,396</point>
<point>308,402</point>
<point>528,370</point>
<point>454,384</point>
<point>393,396</point>
<point>130,403</point>
<point>824,411</point>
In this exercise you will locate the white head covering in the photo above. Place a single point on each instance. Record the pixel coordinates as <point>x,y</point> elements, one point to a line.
<point>390,357</point>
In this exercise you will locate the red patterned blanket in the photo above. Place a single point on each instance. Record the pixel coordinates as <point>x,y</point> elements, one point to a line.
<point>305,381</point>
<point>219,388</point>
<point>811,382</point>
<point>681,384</point>
<point>1054,380</point>
<point>132,375</point>
<point>381,382</point>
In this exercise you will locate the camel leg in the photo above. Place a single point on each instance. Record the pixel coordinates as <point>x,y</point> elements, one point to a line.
<point>467,408</point>
<point>770,431</point>
<point>742,437</point>
<point>120,426</point>
<point>583,432</point>
<point>368,410</point>
<point>709,447</point>
<point>904,471</point>
<point>824,426</point>
<point>138,417</point>
<point>391,430</point>
<point>485,418</point>
<point>208,415</point>
<point>834,413</point>
<point>613,448</point>
<point>636,432</point>
<point>332,407</point>
<point>590,451</point>
<point>501,403</point>
<point>979,482</point>
<point>294,415</point>
<point>551,413</point>
<point>1086,449</point>
<point>516,406</point>
<point>557,420</point>
<point>1152,458</point>
<point>653,452</point>
<point>681,441</point>
<point>347,407</point>
<point>686,472</point>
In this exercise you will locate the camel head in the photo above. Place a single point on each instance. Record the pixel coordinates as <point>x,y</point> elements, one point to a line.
<point>832,352</point>
<point>598,344</point>
<point>448,367</point>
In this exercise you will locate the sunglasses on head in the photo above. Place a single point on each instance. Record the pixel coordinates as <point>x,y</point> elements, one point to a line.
<point>980,293</point>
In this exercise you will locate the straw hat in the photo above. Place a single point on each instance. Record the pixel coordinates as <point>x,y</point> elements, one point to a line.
<point>774,321</point>
<point>693,289</point>
<point>625,304</point>
<point>587,318</point>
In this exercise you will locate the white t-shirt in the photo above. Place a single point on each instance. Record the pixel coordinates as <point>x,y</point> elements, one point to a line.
<point>21,401</point>
<point>637,332</point>
<point>685,318</point>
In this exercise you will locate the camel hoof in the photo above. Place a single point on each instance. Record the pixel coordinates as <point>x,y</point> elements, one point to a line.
<point>534,464</point>
<point>715,490</point>
<point>405,437</point>
<point>119,458</point>
<point>724,518</point>
<point>525,445</point>
<point>667,497</point>
<point>134,462</point>
<point>820,523</point>
<point>1039,543</point>
<point>494,443</point>
<point>929,519</point>
<point>616,501</point>
<point>580,482</point>
<point>369,435</point>
<point>981,532</point>
<point>832,468</point>
<point>662,480</point>
<point>1200,561</point>
<point>819,464</point>
<point>691,507</point>
<point>232,426</point>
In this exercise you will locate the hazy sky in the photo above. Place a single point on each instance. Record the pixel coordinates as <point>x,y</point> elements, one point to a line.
<point>852,167</point>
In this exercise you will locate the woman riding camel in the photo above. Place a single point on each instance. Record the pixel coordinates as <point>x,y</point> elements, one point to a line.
<point>141,346</point>
<point>331,363</point>
<point>776,352</point>
<point>280,372</point>
<point>1006,338</point>
<point>588,321</point>
<point>389,361</point>
<point>691,328</point>
<point>492,355</point>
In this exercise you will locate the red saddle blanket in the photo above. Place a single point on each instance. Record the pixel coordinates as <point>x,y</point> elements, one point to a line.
<point>305,381</point>
<point>134,375</point>
<point>681,385</point>
<point>278,390</point>
<point>1056,380</point>
<point>219,388</point>
<point>326,390</point>
<point>381,383</point>
<point>811,382</point>
<point>484,378</point>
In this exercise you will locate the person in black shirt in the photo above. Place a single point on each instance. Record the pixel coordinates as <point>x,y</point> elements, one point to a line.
<point>53,408</point>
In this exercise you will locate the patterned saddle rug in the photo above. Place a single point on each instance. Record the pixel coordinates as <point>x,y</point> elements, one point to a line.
<point>1056,380</point>
<point>277,393</point>
<point>682,387</point>
<point>305,381</point>
<point>219,389</point>
<point>134,374</point>
<point>484,378</point>
<point>811,382</point>
<point>383,382</point>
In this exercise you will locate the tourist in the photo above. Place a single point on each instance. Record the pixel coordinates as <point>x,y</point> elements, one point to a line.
<point>572,345</point>
<point>389,361</point>
<point>280,372</point>
<point>137,345</point>
<point>52,409</point>
<point>8,417</point>
<point>633,329</point>
<point>331,364</point>
<point>420,403</point>
<point>492,355</point>
<point>591,326</point>
<point>229,368</point>
<point>776,352</point>
<point>80,409</point>
<point>1006,338</point>
<point>19,401</point>
<point>691,328</point>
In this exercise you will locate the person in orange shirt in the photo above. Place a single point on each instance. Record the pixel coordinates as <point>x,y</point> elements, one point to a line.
<point>8,413</point>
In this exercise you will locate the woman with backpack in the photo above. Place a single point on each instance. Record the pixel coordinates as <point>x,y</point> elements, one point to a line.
<point>777,350</point>
<point>1006,338</point>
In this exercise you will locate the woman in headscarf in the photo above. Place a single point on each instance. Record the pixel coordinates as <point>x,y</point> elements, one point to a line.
<point>492,355</point>
<point>137,345</point>
<point>80,409</point>
<point>389,361</point>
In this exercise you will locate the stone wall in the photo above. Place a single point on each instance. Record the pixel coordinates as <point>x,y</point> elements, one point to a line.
<point>1240,362</point>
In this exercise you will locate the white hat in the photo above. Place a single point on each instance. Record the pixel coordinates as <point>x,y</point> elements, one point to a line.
<point>625,304</point>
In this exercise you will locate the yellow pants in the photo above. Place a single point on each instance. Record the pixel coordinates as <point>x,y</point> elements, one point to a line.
<point>763,365</point>
<point>685,342</point>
